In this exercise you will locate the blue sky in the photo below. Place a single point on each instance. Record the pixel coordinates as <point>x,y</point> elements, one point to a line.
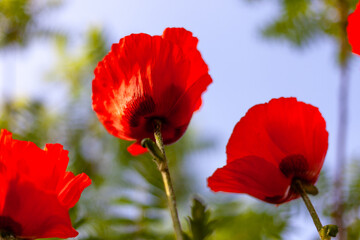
<point>246,69</point>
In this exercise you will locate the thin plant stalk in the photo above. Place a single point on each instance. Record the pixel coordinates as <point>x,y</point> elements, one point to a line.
<point>319,227</point>
<point>169,189</point>
<point>343,10</point>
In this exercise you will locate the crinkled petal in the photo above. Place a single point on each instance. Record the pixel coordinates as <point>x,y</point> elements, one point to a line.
<point>44,167</point>
<point>70,189</point>
<point>190,99</point>
<point>136,149</point>
<point>150,77</point>
<point>254,176</point>
<point>278,129</point>
<point>35,192</point>
<point>6,151</point>
<point>188,44</point>
<point>249,137</point>
<point>142,76</point>
<point>181,37</point>
<point>38,213</point>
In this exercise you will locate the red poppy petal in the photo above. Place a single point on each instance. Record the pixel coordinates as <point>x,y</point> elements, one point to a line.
<point>145,78</point>
<point>249,137</point>
<point>278,129</point>
<point>52,164</point>
<point>45,167</point>
<point>5,138</point>
<point>25,203</point>
<point>182,38</point>
<point>254,176</point>
<point>299,128</point>
<point>179,117</point>
<point>5,150</point>
<point>139,71</point>
<point>198,105</point>
<point>136,149</point>
<point>353,30</point>
<point>188,44</point>
<point>189,100</point>
<point>29,203</point>
<point>30,206</point>
<point>71,188</point>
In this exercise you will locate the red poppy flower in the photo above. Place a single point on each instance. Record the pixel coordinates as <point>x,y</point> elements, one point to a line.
<point>36,192</point>
<point>353,30</point>
<point>146,78</point>
<point>272,145</point>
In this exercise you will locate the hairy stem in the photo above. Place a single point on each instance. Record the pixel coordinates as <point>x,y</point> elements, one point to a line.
<point>170,194</point>
<point>300,189</point>
<point>319,227</point>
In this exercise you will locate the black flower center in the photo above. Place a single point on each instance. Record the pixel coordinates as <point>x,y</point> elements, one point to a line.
<point>294,166</point>
<point>9,228</point>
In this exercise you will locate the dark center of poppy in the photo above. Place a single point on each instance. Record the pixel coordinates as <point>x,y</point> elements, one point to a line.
<point>141,112</point>
<point>9,228</point>
<point>138,108</point>
<point>294,166</point>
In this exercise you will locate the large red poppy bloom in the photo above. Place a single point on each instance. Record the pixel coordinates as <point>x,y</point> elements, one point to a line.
<point>272,145</point>
<point>146,78</point>
<point>353,30</point>
<point>36,192</point>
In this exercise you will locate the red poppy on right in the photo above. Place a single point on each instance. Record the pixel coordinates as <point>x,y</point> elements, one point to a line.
<point>274,144</point>
<point>353,30</point>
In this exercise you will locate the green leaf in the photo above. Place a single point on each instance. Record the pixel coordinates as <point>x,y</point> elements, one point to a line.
<point>299,30</point>
<point>199,223</point>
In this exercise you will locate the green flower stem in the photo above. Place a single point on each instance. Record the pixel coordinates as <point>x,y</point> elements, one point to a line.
<point>170,194</point>
<point>323,233</point>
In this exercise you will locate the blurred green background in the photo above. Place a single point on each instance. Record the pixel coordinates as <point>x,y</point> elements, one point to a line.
<point>126,199</point>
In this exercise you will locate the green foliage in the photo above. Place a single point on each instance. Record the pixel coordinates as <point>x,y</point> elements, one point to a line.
<point>127,199</point>
<point>352,201</point>
<point>302,22</point>
<point>75,65</point>
<point>297,23</point>
<point>300,30</point>
<point>14,20</point>
<point>353,230</point>
<point>235,221</point>
<point>201,227</point>
<point>128,193</point>
<point>19,21</point>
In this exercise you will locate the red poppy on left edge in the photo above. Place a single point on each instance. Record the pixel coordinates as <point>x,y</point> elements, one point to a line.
<point>146,78</point>
<point>36,192</point>
<point>274,144</point>
<point>353,30</point>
